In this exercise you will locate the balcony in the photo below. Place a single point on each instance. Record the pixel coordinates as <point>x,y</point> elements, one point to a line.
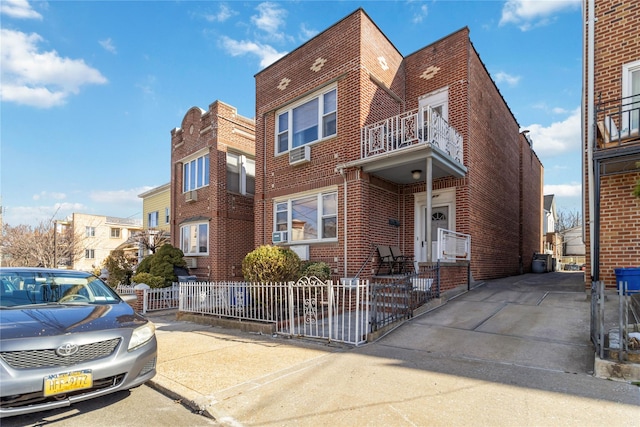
<point>402,143</point>
<point>618,126</point>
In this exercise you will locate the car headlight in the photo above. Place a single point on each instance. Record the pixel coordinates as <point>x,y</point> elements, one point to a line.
<point>142,335</point>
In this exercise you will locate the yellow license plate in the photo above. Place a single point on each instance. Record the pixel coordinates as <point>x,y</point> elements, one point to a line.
<point>68,381</point>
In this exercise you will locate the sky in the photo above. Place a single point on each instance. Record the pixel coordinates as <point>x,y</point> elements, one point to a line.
<point>90,90</point>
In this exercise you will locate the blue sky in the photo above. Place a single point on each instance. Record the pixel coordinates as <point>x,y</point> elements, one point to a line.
<point>90,90</point>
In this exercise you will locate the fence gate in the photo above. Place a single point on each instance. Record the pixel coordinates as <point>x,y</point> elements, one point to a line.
<point>336,312</point>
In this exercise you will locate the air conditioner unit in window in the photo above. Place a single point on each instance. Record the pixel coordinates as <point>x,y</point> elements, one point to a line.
<point>280,237</point>
<point>191,262</point>
<point>300,155</point>
<point>190,196</point>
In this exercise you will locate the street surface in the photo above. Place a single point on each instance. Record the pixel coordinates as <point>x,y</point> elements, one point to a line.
<point>142,406</point>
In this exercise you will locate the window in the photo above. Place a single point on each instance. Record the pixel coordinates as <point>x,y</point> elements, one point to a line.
<point>307,122</point>
<point>153,219</point>
<point>195,173</point>
<point>631,93</point>
<point>89,253</point>
<point>194,239</point>
<point>241,174</point>
<point>90,231</point>
<point>308,218</point>
<point>166,215</point>
<point>115,233</point>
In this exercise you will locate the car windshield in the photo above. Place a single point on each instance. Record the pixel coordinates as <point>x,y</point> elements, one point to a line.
<point>20,288</point>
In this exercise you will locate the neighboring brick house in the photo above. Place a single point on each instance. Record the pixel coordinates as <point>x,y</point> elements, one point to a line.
<point>357,154</point>
<point>212,187</point>
<point>612,137</point>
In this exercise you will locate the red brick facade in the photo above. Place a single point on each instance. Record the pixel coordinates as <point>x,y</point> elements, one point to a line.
<point>229,215</point>
<point>616,43</point>
<point>499,199</point>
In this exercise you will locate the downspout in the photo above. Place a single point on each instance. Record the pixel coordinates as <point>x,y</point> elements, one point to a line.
<point>264,180</point>
<point>590,23</point>
<point>340,170</point>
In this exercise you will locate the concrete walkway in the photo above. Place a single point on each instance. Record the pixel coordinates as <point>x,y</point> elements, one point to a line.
<point>513,351</point>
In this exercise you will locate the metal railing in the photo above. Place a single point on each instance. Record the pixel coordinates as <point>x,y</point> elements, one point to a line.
<point>618,121</point>
<point>615,322</point>
<point>420,126</point>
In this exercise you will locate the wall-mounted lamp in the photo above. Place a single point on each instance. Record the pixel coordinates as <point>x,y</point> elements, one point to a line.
<point>416,174</point>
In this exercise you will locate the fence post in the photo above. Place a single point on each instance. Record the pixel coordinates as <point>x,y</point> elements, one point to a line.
<point>141,296</point>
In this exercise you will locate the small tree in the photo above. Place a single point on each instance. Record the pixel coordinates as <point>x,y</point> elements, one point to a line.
<point>120,268</point>
<point>162,264</point>
<point>271,264</point>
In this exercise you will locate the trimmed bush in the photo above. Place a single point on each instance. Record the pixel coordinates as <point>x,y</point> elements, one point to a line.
<point>149,279</point>
<point>162,264</point>
<point>319,269</point>
<point>271,264</point>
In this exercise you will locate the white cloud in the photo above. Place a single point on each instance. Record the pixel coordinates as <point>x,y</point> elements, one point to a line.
<point>528,14</point>
<point>267,54</point>
<point>49,195</point>
<point>224,13</point>
<point>501,76</point>
<point>270,17</point>
<point>307,33</point>
<point>119,197</point>
<point>108,45</point>
<point>419,16</point>
<point>557,138</point>
<point>564,190</point>
<point>39,79</point>
<point>34,215</point>
<point>20,9</point>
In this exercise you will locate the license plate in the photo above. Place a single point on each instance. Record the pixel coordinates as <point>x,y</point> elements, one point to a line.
<point>68,381</point>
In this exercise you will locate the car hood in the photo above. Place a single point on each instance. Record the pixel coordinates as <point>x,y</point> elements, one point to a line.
<point>53,320</point>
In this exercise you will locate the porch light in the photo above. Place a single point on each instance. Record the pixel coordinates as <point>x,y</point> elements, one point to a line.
<point>416,174</point>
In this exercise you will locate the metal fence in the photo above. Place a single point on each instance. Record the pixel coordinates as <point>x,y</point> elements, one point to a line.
<point>615,322</point>
<point>155,298</point>
<point>309,307</point>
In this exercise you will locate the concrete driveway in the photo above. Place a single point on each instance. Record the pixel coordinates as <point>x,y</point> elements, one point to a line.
<point>513,351</point>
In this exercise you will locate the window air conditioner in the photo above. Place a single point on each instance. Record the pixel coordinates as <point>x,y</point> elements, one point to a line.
<point>300,155</point>
<point>190,196</point>
<point>192,262</point>
<point>280,237</point>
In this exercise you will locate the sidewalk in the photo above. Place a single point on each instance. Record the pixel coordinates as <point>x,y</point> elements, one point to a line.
<point>513,351</point>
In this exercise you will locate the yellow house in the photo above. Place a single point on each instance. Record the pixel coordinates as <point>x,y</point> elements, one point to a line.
<point>156,206</point>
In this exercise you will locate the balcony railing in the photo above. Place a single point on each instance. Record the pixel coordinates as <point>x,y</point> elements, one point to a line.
<point>419,126</point>
<point>618,122</point>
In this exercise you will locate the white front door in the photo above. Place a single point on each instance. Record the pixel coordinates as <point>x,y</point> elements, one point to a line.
<point>442,216</point>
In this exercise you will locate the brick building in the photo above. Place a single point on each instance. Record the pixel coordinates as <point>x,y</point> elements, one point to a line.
<point>611,137</point>
<point>212,186</point>
<point>364,146</point>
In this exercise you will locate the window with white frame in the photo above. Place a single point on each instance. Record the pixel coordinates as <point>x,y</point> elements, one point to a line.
<point>166,215</point>
<point>115,233</point>
<point>90,231</point>
<point>153,219</point>
<point>308,218</point>
<point>631,95</point>
<point>195,173</point>
<point>241,174</point>
<point>306,122</point>
<point>194,238</point>
<point>89,253</point>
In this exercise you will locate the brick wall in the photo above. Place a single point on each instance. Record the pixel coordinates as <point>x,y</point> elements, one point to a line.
<point>230,215</point>
<point>370,89</point>
<point>617,42</point>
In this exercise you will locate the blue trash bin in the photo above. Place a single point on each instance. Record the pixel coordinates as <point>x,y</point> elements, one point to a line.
<point>631,275</point>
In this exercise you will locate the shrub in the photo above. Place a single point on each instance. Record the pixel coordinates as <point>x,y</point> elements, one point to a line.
<point>319,269</point>
<point>162,264</point>
<point>119,267</point>
<point>271,264</point>
<point>149,279</point>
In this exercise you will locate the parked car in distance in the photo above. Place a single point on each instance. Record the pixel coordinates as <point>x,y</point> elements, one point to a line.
<point>66,336</point>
